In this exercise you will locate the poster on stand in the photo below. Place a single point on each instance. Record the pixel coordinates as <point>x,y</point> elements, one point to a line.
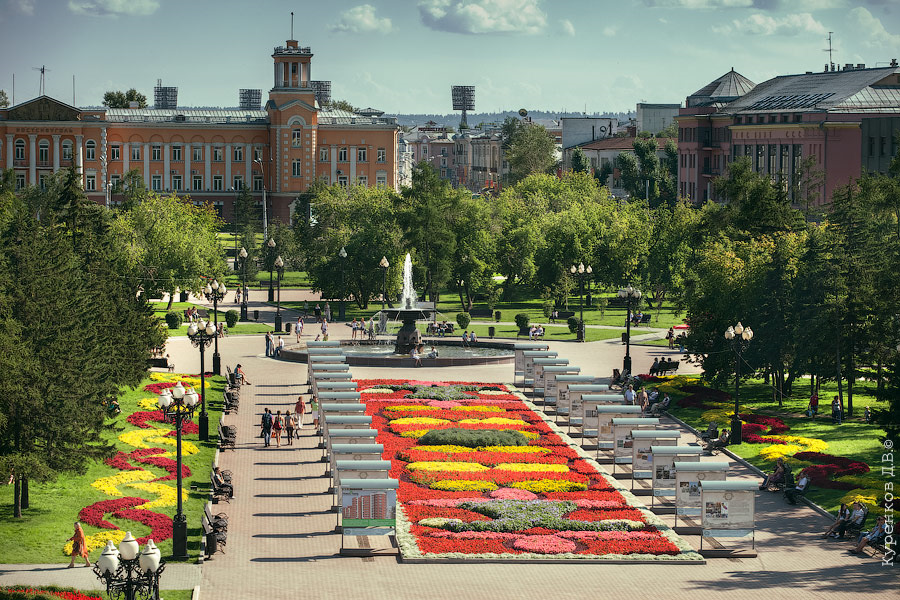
<point>368,508</point>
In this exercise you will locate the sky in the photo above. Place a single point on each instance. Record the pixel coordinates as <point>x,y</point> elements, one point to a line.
<point>402,56</point>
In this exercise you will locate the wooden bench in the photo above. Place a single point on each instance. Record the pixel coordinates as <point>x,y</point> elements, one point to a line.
<point>220,491</point>
<point>616,302</point>
<point>481,313</point>
<point>665,366</point>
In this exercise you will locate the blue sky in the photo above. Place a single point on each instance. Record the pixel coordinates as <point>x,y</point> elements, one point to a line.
<point>403,55</point>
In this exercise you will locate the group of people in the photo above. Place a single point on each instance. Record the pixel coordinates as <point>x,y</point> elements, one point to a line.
<point>648,401</point>
<point>536,331</point>
<point>418,352</point>
<point>359,329</point>
<point>469,338</point>
<point>318,312</point>
<point>853,517</point>
<point>440,329</point>
<point>273,346</point>
<point>287,423</point>
<point>636,317</point>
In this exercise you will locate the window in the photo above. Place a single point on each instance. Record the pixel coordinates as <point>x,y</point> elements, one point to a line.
<point>257,183</point>
<point>381,179</point>
<point>883,150</point>
<point>363,180</point>
<point>443,161</point>
<point>297,138</point>
<point>381,155</point>
<point>361,155</point>
<point>798,118</point>
<point>217,153</point>
<point>197,184</point>
<point>342,154</point>
<point>156,152</point>
<point>443,173</point>
<point>90,150</point>
<point>44,151</point>
<point>296,170</point>
<point>156,183</point>
<point>176,153</point>
<point>443,152</point>
<point>176,183</point>
<point>424,150</point>
<point>773,152</point>
<point>784,161</point>
<point>20,149</point>
<point>135,152</point>
<point>90,183</point>
<point>42,182</point>
<point>237,182</point>
<point>342,181</point>
<point>115,152</point>
<point>114,181</point>
<point>67,150</point>
<point>217,183</point>
<point>238,153</point>
<point>323,154</point>
<point>257,154</point>
<point>20,181</point>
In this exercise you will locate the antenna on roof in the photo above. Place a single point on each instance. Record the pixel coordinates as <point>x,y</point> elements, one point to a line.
<point>829,50</point>
<point>292,24</point>
<point>43,70</point>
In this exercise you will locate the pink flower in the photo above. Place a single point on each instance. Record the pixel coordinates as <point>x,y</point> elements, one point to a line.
<point>544,544</point>
<point>513,494</point>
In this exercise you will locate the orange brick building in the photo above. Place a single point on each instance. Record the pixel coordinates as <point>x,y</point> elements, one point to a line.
<point>209,154</point>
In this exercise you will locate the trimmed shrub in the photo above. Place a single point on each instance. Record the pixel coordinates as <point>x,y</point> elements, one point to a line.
<point>497,316</point>
<point>232,317</point>
<point>522,320</point>
<point>174,319</point>
<point>572,322</point>
<point>463,319</point>
<point>547,307</point>
<point>472,438</point>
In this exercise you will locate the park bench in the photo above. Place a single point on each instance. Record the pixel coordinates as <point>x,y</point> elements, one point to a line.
<point>232,400</point>
<point>665,366</point>
<point>214,541</point>
<point>159,363</point>
<point>481,313</point>
<point>616,302</point>
<point>219,522</point>
<point>220,491</point>
<point>227,436</point>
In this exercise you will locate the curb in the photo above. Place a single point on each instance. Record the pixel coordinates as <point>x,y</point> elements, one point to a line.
<point>195,593</point>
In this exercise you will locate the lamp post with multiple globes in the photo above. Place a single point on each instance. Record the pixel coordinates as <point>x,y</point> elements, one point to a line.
<point>129,573</point>
<point>271,250</point>
<point>243,255</point>
<point>202,336</point>
<point>739,337</point>
<point>581,271</point>
<point>216,291</point>
<point>630,295</point>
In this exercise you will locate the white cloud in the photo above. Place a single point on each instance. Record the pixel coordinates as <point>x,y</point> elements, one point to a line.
<point>26,7</point>
<point>567,27</point>
<point>114,8</point>
<point>362,19</point>
<point>872,32</point>
<point>483,16</point>
<point>610,31</point>
<point>695,4</point>
<point>786,25</point>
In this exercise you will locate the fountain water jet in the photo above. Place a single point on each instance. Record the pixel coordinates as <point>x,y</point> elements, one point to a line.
<point>411,310</point>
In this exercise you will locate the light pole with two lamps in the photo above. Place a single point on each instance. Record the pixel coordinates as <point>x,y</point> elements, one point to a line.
<point>279,267</point>
<point>581,271</point>
<point>270,245</point>
<point>384,264</point>
<point>174,403</point>
<point>216,291</point>
<point>201,337</point>
<point>630,295</point>
<point>343,256</point>
<point>259,162</point>
<point>127,573</point>
<point>739,337</point>
<point>243,255</point>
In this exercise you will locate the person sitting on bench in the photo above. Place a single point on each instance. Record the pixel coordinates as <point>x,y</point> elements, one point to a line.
<point>875,536</point>
<point>857,517</point>
<point>799,488</point>
<point>776,477</point>
<point>719,442</point>
<point>843,515</point>
<point>239,376</point>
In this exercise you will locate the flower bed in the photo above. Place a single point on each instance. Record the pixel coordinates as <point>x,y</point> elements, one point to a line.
<point>544,500</point>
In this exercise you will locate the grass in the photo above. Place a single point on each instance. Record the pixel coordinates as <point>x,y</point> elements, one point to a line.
<point>163,594</point>
<point>853,439</point>
<point>242,328</point>
<point>289,279</point>
<point>552,334</point>
<point>39,536</point>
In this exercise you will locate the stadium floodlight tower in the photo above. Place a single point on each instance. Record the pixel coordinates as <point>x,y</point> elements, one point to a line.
<point>463,99</point>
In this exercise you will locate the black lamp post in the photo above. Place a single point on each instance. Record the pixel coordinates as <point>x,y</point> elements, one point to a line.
<point>129,574</point>
<point>739,337</point>
<point>581,271</point>
<point>216,291</point>
<point>343,255</point>
<point>201,337</point>
<point>384,264</point>
<point>175,403</point>
<point>243,256</point>
<point>271,251</point>
<point>279,266</point>
<point>630,295</point>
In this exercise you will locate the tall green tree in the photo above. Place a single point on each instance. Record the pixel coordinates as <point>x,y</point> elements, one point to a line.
<point>4,99</point>
<point>531,150</point>
<point>580,162</point>
<point>630,175</point>
<point>119,99</point>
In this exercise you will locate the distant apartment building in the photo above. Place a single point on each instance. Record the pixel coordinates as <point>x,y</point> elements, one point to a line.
<point>470,159</point>
<point>653,118</point>
<point>578,131</point>
<point>838,117</point>
<point>210,154</point>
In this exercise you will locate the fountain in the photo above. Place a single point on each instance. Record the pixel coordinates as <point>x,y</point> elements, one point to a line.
<point>410,311</point>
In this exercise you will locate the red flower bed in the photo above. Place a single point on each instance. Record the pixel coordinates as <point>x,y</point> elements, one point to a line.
<point>65,595</point>
<point>441,546</point>
<point>415,513</point>
<point>120,461</point>
<point>587,514</point>
<point>93,514</point>
<point>659,545</point>
<point>831,466</point>
<point>775,425</point>
<point>485,458</point>
<point>160,525</point>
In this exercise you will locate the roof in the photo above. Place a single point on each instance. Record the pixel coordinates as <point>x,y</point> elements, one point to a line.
<point>619,143</point>
<point>850,90</point>
<point>729,86</point>
<point>191,115</point>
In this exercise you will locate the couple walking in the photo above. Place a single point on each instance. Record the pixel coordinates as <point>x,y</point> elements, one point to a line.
<point>274,425</point>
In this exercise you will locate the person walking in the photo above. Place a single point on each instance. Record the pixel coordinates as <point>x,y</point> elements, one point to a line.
<point>299,328</point>
<point>314,409</point>
<point>277,426</point>
<point>267,427</point>
<point>327,311</point>
<point>670,335</point>
<point>79,546</point>
<point>268,344</point>
<point>299,410</point>
<point>325,328</point>
<point>317,311</point>
<point>289,427</point>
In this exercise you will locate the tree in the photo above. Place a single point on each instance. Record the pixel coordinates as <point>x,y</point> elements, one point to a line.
<point>475,229</point>
<point>606,169</point>
<point>531,150</point>
<point>580,162</point>
<point>670,131</point>
<point>629,175</point>
<point>4,99</point>
<point>342,105</point>
<point>118,99</point>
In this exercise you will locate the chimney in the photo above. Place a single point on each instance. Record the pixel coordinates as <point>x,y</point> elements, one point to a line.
<point>893,62</point>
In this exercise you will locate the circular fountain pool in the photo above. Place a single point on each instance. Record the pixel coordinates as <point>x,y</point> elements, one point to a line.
<point>451,353</point>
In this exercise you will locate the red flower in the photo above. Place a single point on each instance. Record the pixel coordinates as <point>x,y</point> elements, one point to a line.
<point>93,514</point>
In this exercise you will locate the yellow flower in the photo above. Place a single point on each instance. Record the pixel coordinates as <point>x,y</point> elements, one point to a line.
<point>377,391</point>
<point>446,466</point>
<point>410,408</point>
<point>419,421</point>
<point>478,408</point>
<point>153,438</point>
<point>494,421</point>
<point>531,435</point>
<point>534,467</point>
<point>544,486</point>
<point>516,449</point>
<point>414,433</point>
<point>109,485</point>
<point>168,495</point>
<point>463,485</point>
<point>446,448</point>
<point>148,403</point>
<point>792,445</point>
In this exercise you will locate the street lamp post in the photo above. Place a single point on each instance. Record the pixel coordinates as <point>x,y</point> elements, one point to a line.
<point>216,291</point>
<point>739,337</point>
<point>384,264</point>
<point>201,337</point>
<point>279,266</point>
<point>343,255</point>
<point>243,255</point>
<point>175,403</point>
<point>129,574</point>
<point>630,295</point>
<point>271,245</point>
<point>581,271</point>
<point>265,213</point>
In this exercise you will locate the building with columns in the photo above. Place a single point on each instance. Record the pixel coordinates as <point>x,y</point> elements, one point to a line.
<point>209,154</point>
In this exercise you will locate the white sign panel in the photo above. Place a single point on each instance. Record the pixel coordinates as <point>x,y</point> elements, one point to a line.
<point>728,509</point>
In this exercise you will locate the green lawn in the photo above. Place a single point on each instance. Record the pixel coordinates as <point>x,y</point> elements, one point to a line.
<point>853,439</point>
<point>41,533</point>
<point>242,328</point>
<point>289,279</point>
<point>552,334</point>
<point>163,594</point>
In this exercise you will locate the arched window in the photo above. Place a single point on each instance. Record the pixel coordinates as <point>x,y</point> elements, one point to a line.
<point>67,149</point>
<point>20,149</point>
<point>90,149</point>
<point>44,151</point>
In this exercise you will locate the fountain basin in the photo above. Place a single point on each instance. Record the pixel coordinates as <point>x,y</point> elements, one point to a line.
<point>451,353</point>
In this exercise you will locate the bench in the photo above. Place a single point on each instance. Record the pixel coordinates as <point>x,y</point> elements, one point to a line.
<point>449,328</point>
<point>665,366</point>
<point>564,314</point>
<point>159,363</point>
<point>220,491</point>
<point>219,522</point>
<point>227,436</point>
<point>481,313</point>
<point>616,302</point>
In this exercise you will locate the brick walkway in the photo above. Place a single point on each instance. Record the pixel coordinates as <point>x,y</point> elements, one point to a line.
<point>281,545</point>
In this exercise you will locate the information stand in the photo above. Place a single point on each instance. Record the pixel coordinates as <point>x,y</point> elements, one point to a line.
<point>332,385</point>
<point>369,508</point>
<point>664,458</point>
<point>528,365</point>
<point>537,387</point>
<point>356,469</point>
<point>519,351</point>
<point>728,511</point>
<point>324,351</point>
<point>688,476</point>
<point>318,377</point>
<point>352,452</point>
<point>550,383</point>
<point>323,344</point>
<point>579,394</point>
<point>642,453</point>
<point>622,430</point>
<point>315,368</point>
<point>562,389</point>
<point>598,420</point>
